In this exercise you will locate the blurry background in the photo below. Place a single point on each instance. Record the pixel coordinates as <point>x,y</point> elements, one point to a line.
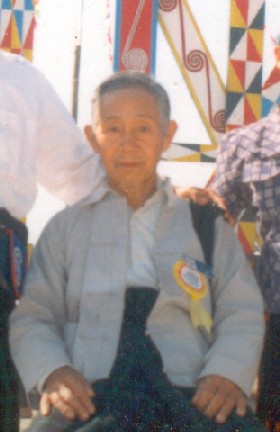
<point>75,39</point>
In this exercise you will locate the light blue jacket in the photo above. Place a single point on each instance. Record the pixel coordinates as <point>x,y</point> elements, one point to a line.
<point>72,309</point>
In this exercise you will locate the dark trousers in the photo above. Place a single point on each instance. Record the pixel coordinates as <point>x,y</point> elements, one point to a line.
<point>138,396</point>
<point>9,409</point>
<point>269,397</point>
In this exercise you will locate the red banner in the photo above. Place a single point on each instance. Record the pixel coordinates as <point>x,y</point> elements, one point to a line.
<point>135,37</point>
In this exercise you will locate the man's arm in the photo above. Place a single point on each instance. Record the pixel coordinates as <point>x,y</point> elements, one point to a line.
<point>229,177</point>
<point>66,164</point>
<point>37,329</point>
<point>232,361</point>
<point>203,197</point>
<point>37,325</point>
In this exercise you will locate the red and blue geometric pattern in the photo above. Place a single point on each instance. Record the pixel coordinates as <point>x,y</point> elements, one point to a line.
<point>135,36</point>
<point>17,23</point>
<point>244,82</point>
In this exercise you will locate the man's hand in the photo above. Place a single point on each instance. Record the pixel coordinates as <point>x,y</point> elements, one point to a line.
<point>203,197</point>
<point>217,397</point>
<point>69,392</point>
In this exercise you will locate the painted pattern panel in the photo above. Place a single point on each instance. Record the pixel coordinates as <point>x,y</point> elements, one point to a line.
<point>17,23</point>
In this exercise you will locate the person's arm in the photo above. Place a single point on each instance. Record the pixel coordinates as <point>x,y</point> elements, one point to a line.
<point>203,197</point>
<point>66,165</point>
<point>232,361</point>
<point>229,178</point>
<point>38,325</point>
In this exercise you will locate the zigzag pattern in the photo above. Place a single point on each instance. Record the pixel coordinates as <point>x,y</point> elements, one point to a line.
<point>17,23</point>
<point>244,85</point>
<point>244,82</point>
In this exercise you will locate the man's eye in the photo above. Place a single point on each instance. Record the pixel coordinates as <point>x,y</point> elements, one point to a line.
<point>112,129</point>
<point>144,128</point>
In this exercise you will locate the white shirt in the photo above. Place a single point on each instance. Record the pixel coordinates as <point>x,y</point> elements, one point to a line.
<point>141,270</point>
<point>39,141</point>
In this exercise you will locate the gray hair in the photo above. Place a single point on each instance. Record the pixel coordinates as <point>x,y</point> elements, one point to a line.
<point>134,80</point>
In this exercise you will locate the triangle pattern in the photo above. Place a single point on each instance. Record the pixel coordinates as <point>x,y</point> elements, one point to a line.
<point>243,7</point>
<point>267,104</point>
<point>28,5</point>
<point>15,35</point>
<point>237,115</point>
<point>240,50</point>
<point>254,46</point>
<point>233,100</point>
<point>236,18</point>
<point>28,42</point>
<point>19,5</point>
<point>236,76</point>
<point>235,38</point>
<point>256,84</point>
<point>5,20</point>
<point>18,17</point>
<point>273,78</point>
<point>252,108</point>
<point>256,16</point>
<point>27,22</point>
<point>7,40</point>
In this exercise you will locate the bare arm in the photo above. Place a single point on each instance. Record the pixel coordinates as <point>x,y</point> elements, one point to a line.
<point>204,196</point>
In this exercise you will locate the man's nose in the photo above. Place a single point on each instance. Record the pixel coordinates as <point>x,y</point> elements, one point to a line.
<point>128,138</point>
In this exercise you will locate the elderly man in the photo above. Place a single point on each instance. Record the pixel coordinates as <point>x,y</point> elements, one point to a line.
<point>119,328</point>
<point>248,174</point>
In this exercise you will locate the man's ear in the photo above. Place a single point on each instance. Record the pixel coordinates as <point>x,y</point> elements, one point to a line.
<point>91,138</point>
<point>171,130</point>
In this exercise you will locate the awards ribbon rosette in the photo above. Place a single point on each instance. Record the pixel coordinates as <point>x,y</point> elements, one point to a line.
<point>191,276</point>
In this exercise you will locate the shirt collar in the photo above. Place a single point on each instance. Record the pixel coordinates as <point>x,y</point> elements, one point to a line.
<point>164,189</point>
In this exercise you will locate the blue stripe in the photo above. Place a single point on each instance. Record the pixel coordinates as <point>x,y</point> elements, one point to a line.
<point>154,36</point>
<point>116,65</point>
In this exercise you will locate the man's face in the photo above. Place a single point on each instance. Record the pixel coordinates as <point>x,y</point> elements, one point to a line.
<point>129,136</point>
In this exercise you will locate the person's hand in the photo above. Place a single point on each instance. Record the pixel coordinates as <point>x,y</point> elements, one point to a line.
<point>69,392</point>
<point>217,397</point>
<point>204,196</point>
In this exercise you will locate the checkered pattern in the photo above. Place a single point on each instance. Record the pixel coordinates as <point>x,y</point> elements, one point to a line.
<point>248,174</point>
<point>244,82</point>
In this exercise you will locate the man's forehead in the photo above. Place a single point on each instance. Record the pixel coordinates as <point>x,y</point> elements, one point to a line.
<point>107,117</point>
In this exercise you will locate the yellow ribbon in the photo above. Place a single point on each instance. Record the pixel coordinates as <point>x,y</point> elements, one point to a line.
<point>198,314</point>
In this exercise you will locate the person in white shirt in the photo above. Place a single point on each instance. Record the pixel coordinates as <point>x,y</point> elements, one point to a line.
<point>39,143</point>
<point>119,328</point>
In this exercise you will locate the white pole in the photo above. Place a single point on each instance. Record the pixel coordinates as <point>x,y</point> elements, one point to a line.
<point>77,57</point>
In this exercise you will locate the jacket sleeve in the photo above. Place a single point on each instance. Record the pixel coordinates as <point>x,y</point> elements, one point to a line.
<point>229,179</point>
<point>36,325</point>
<point>238,328</point>
<point>66,165</point>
